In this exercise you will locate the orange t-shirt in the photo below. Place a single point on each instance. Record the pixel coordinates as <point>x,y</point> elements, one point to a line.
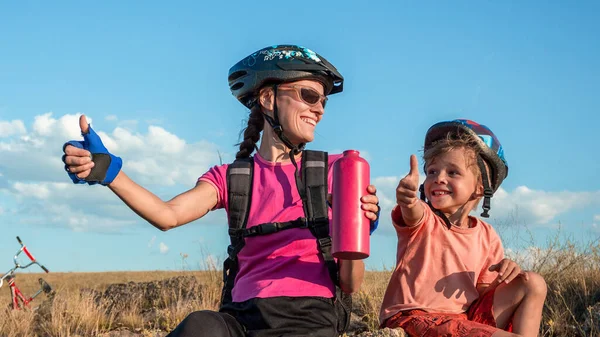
<point>438,268</point>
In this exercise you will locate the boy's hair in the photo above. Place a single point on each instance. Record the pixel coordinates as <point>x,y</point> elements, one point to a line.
<point>454,141</point>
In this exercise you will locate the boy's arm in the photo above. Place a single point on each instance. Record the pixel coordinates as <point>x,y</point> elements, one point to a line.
<point>487,279</point>
<point>409,205</point>
<point>409,217</point>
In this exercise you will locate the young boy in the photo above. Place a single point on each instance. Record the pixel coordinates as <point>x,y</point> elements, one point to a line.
<point>451,277</point>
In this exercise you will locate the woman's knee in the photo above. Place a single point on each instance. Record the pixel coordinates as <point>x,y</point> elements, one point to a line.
<point>199,316</point>
<point>207,323</point>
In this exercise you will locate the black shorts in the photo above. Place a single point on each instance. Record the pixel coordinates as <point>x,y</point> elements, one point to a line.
<point>264,317</point>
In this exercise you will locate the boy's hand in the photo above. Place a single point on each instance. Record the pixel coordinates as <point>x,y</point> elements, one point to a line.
<point>507,270</point>
<point>408,188</point>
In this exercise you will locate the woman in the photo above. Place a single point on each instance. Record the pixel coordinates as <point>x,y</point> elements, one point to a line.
<point>280,284</point>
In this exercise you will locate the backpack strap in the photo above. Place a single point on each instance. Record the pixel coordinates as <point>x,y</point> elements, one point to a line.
<point>269,228</point>
<point>239,192</point>
<point>315,167</point>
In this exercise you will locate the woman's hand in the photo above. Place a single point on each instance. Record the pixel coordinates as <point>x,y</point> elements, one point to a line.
<point>371,207</point>
<point>89,161</point>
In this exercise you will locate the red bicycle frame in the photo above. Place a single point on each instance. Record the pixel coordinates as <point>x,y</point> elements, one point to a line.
<point>9,276</point>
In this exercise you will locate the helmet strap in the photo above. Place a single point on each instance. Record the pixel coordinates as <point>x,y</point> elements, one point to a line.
<point>488,193</point>
<point>294,150</point>
<point>274,122</point>
<point>422,192</point>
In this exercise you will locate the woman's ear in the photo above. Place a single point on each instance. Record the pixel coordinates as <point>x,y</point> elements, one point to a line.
<point>266,99</point>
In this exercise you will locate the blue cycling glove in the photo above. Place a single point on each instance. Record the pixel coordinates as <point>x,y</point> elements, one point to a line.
<point>106,166</point>
<point>375,223</point>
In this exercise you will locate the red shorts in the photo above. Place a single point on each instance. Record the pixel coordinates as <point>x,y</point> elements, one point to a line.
<point>478,321</point>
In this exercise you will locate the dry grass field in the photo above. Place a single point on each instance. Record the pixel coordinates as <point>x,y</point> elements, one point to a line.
<point>572,308</point>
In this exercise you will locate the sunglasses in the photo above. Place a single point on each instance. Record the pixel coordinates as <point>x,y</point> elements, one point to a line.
<point>308,95</point>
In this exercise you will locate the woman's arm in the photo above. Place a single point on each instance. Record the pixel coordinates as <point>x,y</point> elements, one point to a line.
<point>186,207</point>
<point>352,273</point>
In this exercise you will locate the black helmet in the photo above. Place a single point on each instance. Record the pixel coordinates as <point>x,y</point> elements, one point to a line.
<point>278,64</point>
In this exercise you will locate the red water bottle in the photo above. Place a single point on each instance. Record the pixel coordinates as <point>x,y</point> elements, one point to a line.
<point>350,226</point>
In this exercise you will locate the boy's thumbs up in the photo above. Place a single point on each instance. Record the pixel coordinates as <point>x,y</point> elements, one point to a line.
<point>414,171</point>
<point>406,193</point>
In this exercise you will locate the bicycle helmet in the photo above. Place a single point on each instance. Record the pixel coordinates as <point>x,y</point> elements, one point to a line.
<point>491,152</point>
<point>279,64</point>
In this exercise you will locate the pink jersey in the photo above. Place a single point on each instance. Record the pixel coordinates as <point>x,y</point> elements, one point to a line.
<point>438,268</point>
<point>285,263</point>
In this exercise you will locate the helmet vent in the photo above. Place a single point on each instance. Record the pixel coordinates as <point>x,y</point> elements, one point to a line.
<point>237,86</point>
<point>234,76</point>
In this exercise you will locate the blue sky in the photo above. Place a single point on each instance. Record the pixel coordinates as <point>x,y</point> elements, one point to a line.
<point>152,78</point>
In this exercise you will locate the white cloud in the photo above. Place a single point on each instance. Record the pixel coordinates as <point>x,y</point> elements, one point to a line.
<point>540,207</point>
<point>154,157</point>
<point>597,217</point>
<point>44,124</point>
<point>111,118</point>
<point>14,127</point>
<point>386,192</point>
<point>164,141</point>
<point>163,248</point>
<point>32,174</point>
<point>38,191</point>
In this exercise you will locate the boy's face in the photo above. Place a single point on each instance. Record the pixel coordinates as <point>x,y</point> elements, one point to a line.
<point>450,181</point>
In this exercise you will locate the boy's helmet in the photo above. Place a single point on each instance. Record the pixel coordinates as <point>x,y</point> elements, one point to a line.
<point>279,64</point>
<point>491,149</point>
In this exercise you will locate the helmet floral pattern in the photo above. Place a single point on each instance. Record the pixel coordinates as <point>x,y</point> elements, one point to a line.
<point>276,53</point>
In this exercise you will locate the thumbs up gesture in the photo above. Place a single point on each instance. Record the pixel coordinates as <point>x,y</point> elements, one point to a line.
<point>408,188</point>
<point>409,210</point>
<point>89,161</point>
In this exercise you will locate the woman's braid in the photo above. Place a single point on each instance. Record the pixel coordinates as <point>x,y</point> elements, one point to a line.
<point>256,123</point>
